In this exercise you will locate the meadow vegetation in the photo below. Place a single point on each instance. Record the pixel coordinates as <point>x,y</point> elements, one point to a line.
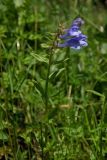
<point>53,101</point>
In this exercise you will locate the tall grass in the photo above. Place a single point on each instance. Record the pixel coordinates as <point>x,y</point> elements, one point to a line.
<point>52,101</point>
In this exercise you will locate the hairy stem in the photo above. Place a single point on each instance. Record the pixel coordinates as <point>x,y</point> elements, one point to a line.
<point>48,72</point>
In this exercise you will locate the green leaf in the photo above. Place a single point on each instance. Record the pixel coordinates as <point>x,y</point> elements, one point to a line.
<point>3,136</point>
<point>41,58</point>
<point>60,71</point>
<point>39,89</point>
<point>96,93</point>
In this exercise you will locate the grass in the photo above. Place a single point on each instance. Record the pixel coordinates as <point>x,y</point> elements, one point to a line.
<point>52,101</point>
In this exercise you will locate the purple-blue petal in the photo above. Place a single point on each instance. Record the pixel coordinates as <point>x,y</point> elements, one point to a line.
<point>74,33</point>
<point>78,22</point>
<point>75,42</point>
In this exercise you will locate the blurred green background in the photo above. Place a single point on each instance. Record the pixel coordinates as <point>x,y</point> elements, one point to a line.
<point>52,100</point>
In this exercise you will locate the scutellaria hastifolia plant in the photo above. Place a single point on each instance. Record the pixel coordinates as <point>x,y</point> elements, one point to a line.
<point>73,38</point>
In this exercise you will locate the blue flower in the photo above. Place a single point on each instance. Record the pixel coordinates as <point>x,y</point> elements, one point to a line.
<point>74,37</point>
<point>75,42</point>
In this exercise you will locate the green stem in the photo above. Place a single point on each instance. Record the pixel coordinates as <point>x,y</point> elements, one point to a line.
<point>47,81</point>
<point>46,86</point>
<point>48,73</point>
